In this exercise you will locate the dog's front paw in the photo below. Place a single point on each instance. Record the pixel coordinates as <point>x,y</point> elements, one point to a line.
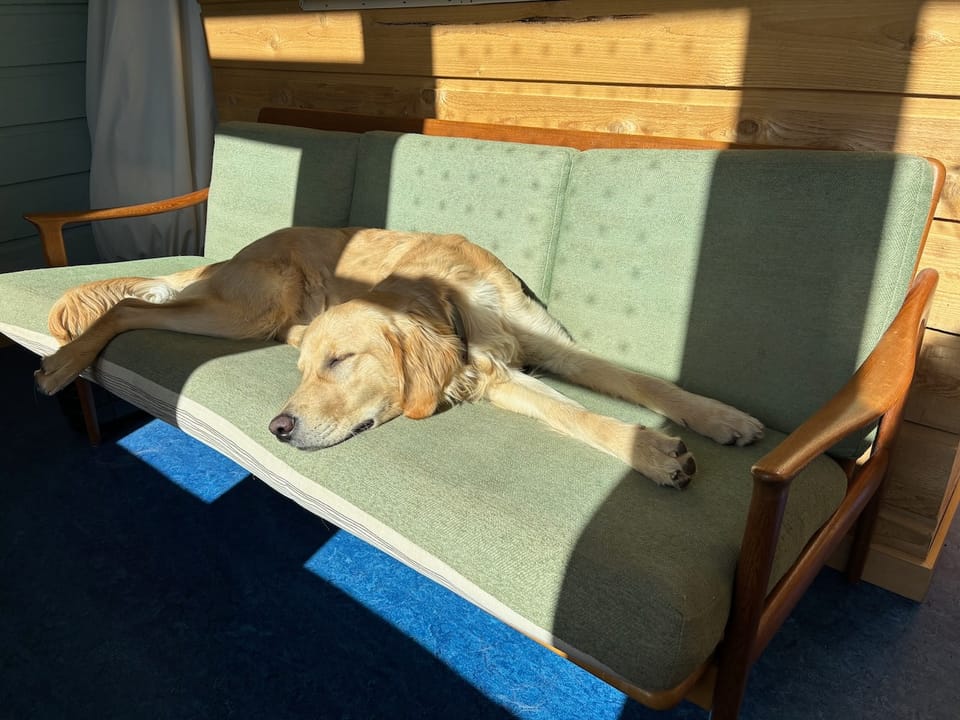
<point>722,423</point>
<point>662,458</point>
<point>679,473</point>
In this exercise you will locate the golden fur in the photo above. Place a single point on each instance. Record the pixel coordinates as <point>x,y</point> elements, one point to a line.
<point>390,323</point>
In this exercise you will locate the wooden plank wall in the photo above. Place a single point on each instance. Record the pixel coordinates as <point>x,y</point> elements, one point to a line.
<point>44,145</point>
<point>855,74</point>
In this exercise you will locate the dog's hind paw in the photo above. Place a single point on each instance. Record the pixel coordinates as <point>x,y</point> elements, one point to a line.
<point>57,371</point>
<point>44,383</point>
<point>50,383</point>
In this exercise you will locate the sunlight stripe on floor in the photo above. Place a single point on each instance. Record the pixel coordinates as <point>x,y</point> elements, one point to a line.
<point>510,669</point>
<point>191,465</point>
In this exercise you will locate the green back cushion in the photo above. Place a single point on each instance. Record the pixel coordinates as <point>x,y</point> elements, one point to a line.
<point>505,197</point>
<point>267,177</point>
<point>762,278</point>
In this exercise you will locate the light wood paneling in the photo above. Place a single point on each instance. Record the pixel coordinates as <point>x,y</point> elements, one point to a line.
<point>921,476</point>
<point>895,570</point>
<point>943,253</point>
<point>241,92</point>
<point>934,399</point>
<point>924,469</point>
<point>898,530</point>
<point>891,46</point>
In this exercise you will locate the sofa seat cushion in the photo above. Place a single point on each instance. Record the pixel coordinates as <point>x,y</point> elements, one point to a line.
<point>560,541</point>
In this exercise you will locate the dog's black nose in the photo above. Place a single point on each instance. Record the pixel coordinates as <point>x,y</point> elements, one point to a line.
<point>282,426</point>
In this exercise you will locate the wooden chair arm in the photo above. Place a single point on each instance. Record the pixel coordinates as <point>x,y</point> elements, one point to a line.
<point>50,225</point>
<point>878,385</point>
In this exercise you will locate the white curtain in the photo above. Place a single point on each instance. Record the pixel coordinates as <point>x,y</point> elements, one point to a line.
<point>151,116</point>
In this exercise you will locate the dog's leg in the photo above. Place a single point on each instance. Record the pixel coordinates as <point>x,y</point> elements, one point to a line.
<point>709,417</point>
<point>547,345</point>
<point>661,458</point>
<point>79,307</point>
<point>198,316</point>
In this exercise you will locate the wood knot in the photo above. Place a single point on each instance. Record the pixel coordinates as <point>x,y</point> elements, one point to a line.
<point>748,127</point>
<point>622,126</point>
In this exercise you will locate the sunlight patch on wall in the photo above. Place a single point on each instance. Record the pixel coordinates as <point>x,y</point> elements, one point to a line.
<point>310,5</point>
<point>335,38</point>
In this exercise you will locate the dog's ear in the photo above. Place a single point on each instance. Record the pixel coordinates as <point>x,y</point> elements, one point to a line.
<point>425,362</point>
<point>426,349</point>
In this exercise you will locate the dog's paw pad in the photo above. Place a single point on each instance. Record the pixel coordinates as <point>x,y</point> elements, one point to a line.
<point>678,474</point>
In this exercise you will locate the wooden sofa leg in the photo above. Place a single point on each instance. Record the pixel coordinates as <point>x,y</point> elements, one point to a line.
<point>731,686</point>
<point>752,580</point>
<point>862,533</point>
<point>863,530</point>
<point>89,409</point>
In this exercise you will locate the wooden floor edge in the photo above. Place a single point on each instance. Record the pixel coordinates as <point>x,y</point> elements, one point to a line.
<point>897,571</point>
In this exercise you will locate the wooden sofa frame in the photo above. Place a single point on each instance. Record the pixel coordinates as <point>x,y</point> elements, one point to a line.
<point>755,614</point>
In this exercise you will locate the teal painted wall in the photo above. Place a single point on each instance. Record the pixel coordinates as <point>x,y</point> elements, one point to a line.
<point>44,144</point>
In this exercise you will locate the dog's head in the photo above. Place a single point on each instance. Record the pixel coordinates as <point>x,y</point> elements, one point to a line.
<point>367,361</point>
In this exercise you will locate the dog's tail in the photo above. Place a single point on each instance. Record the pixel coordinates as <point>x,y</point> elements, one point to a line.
<point>78,308</point>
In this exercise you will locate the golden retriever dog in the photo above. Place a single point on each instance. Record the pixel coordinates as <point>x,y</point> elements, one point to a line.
<point>391,323</point>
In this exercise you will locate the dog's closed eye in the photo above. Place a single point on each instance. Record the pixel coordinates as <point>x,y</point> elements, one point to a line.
<point>335,360</point>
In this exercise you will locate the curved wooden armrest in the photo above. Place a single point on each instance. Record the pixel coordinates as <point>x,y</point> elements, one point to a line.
<point>50,225</point>
<point>881,381</point>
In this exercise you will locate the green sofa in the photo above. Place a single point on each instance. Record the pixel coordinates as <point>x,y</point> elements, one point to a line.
<point>763,278</point>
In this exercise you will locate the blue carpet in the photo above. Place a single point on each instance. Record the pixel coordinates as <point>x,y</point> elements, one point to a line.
<point>151,578</point>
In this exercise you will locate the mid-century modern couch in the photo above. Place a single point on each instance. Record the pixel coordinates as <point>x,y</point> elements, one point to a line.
<point>781,281</point>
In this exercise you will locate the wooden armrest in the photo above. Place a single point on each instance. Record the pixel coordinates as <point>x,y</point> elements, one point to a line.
<point>881,381</point>
<point>50,225</point>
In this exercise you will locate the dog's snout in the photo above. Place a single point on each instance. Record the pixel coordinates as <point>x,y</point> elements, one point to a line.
<point>282,426</point>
